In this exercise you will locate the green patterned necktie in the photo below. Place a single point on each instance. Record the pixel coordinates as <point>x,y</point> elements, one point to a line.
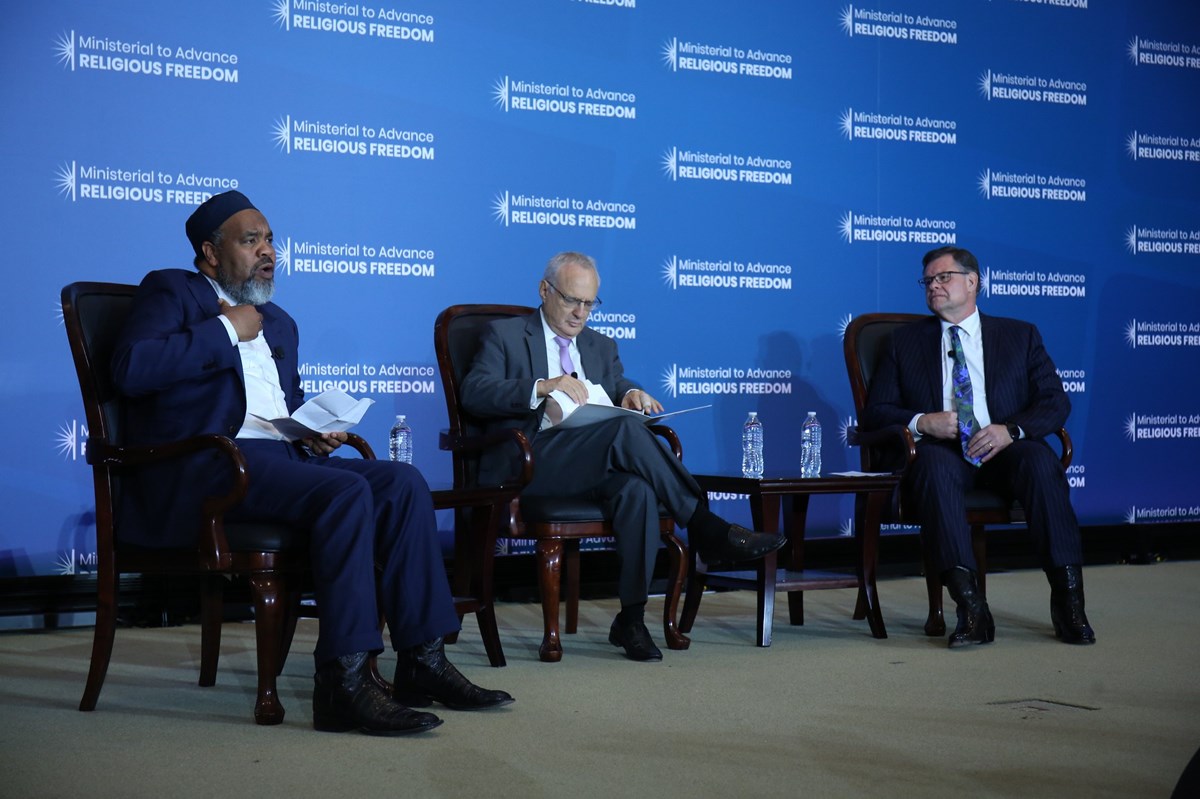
<point>964,396</point>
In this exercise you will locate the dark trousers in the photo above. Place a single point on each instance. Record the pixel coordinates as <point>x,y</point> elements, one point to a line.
<point>358,513</point>
<point>1028,471</point>
<point>625,467</point>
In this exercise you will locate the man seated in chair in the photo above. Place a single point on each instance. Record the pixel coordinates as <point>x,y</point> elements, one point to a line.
<point>533,371</point>
<point>205,352</point>
<point>979,394</point>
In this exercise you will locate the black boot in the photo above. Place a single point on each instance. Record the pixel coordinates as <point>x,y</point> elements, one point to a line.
<point>717,541</point>
<point>975,625</point>
<point>346,698</point>
<point>1066,605</point>
<point>424,675</point>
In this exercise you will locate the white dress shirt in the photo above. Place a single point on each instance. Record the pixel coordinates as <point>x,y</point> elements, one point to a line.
<point>264,395</point>
<point>970,336</point>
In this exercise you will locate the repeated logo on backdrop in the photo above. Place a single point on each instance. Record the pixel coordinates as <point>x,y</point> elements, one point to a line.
<point>728,159</point>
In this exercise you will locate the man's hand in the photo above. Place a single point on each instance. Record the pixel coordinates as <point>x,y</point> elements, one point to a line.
<point>638,400</point>
<point>942,424</point>
<point>325,443</point>
<point>572,387</point>
<point>246,319</point>
<point>989,442</point>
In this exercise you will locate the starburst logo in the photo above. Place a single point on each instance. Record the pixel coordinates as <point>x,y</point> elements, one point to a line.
<point>65,565</point>
<point>64,48</point>
<point>670,272</point>
<point>66,180</point>
<point>500,208</point>
<point>283,255</point>
<point>671,53</point>
<point>500,92</point>
<point>985,184</point>
<point>58,311</point>
<point>848,20</point>
<point>71,440</point>
<point>847,528</point>
<point>843,324</point>
<point>847,124</point>
<point>283,14</point>
<point>1131,517</point>
<point>281,132</point>
<point>1131,333</point>
<point>1133,49</point>
<point>1131,427</point>
<point>1131,145</point>
<point>847,226</point>
<point>985,85</point>
<point>985,281</point>
<point>848,428</point>
<point>1131,239</point>
<point>670,380</point>
<point>669,163</point>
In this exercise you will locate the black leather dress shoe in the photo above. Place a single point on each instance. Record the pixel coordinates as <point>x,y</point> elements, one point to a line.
<point>424,675</point>
<point>975,624</point>
<point>346,698</point>
<point>1066,606</point>
<point>636,640</point>
<point>740,544</point>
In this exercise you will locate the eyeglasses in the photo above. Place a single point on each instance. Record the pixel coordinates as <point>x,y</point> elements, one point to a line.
<point>941,278</point>
<point>587,305</point>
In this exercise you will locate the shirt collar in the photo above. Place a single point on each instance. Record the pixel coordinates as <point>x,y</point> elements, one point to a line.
<point>970,325</point>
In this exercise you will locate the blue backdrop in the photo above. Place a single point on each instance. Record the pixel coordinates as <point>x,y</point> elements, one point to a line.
<point>749,176</point>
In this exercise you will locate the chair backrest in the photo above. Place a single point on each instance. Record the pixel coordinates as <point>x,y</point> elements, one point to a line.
<point>864,343</point>
<point>456,337</point>
<point>94,314</point>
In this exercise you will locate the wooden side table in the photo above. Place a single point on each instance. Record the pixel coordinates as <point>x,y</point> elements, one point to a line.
<point>766,494</point>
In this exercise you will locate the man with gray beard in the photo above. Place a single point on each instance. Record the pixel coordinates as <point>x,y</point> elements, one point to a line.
<point>207,352</point>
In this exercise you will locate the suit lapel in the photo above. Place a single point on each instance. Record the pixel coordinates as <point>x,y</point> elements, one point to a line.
<point>535,346</point>
<point>931,360</point>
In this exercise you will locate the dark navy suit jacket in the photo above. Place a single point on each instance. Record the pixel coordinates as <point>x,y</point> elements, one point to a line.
<point>1022,384</point>
<point>175,364</point>
<point>511,358</point>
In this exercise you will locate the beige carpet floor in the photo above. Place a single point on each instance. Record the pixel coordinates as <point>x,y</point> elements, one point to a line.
<point>826,711</point>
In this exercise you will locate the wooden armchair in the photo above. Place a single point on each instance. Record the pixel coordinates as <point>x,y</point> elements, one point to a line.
<point>274,557</point>
<point>556,524</point>
<point>882,450</point>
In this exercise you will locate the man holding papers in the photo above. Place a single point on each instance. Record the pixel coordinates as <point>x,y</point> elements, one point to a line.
<point>207,352</point>
<point>533,372</point>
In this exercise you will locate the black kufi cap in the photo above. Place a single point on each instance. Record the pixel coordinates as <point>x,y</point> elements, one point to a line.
<point>212,213</point>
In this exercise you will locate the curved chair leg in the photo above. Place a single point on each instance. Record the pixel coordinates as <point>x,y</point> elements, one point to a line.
<point>549,558</point>
<point>102,639</point>
<point>291,616</point>
<point>691,602</point>
<point>678,555</point>
<point>212,601</point>
<point>935,624</point>
<point>486,617</point>
<point>268,629</point>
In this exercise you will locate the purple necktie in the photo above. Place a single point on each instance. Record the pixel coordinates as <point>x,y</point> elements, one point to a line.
<point>564,355</point>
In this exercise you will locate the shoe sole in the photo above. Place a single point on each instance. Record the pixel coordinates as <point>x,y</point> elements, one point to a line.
<point>325,725</point>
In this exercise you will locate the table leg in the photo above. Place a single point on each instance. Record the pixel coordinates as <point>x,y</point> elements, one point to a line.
<point>764,510</point>
<point>794,523</point>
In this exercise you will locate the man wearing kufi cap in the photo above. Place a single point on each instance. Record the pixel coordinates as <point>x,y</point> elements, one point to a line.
<point>206,352</point>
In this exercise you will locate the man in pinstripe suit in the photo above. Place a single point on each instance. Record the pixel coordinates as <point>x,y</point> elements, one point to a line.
<point>1017,399</point>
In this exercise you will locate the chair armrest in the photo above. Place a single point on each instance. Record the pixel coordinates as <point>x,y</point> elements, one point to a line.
<point>896,440</point>
<point>211,543</point>
<point>1068,450</point>
<point>360,444</point>
<point>454,440</point>
<point>671,437</point>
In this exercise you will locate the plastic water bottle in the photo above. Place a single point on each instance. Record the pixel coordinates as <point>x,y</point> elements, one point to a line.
<point>810,446</point>
<point>752,446</point>
<point>400,442</point>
